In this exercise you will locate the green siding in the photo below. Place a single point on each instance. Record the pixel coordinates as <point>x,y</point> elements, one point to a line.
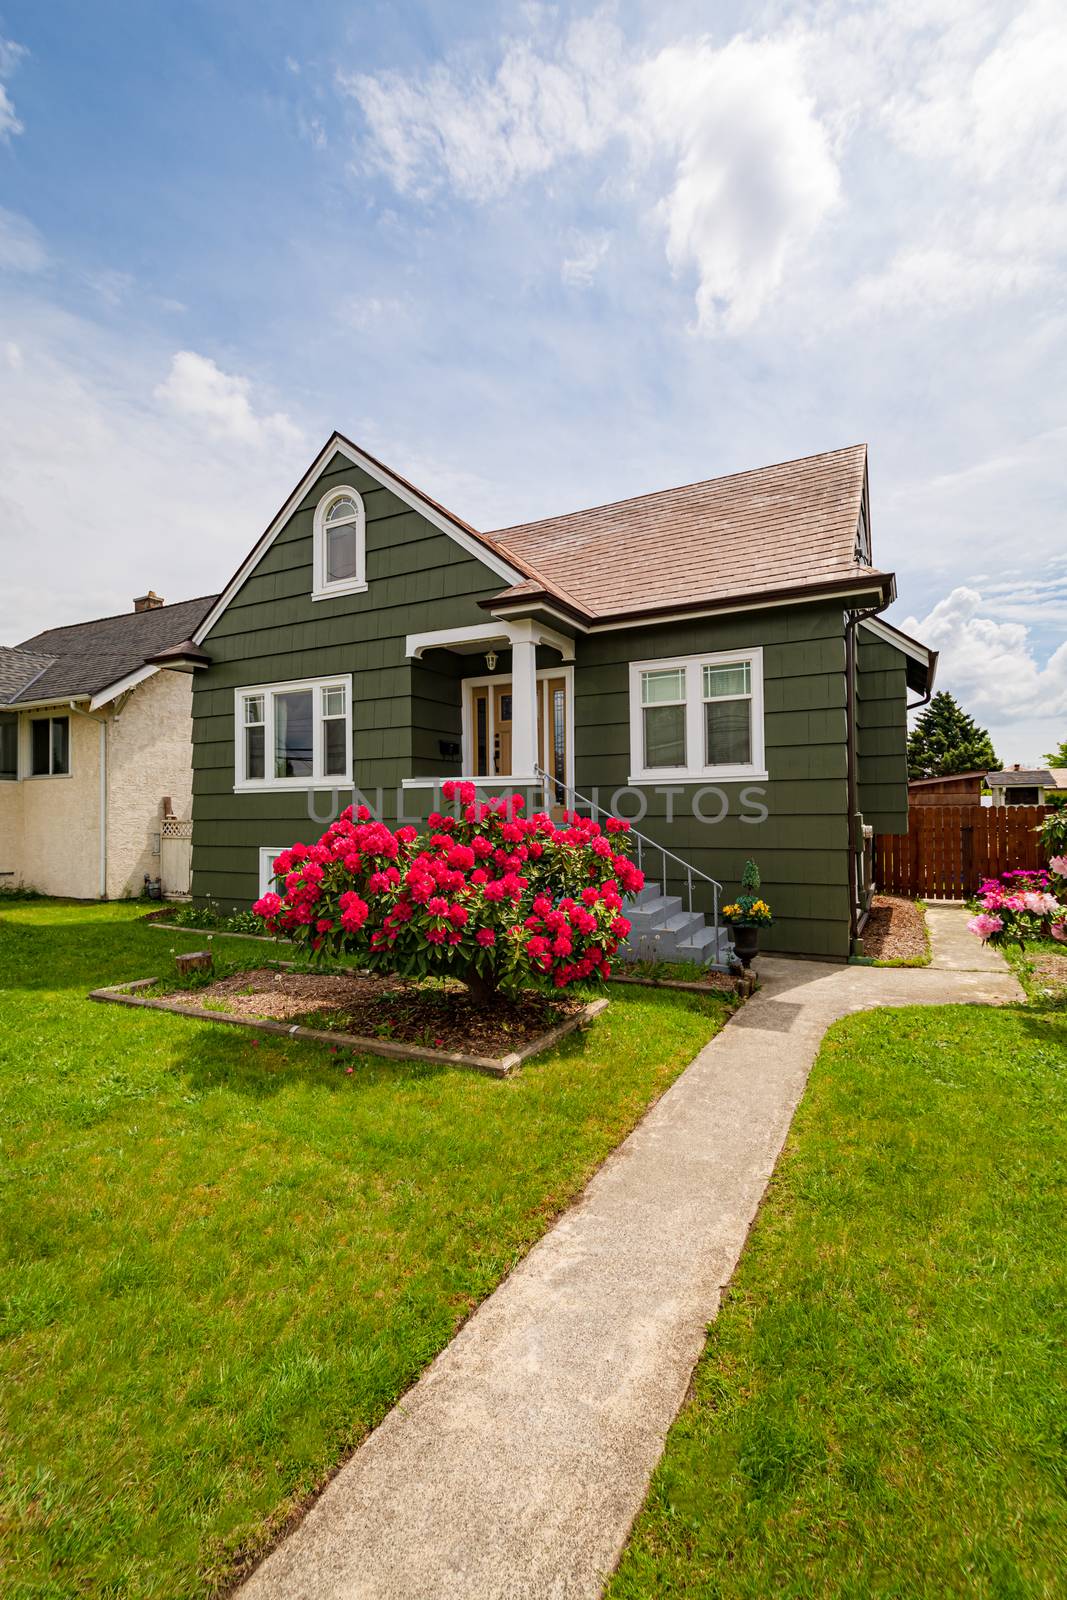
<point>418,578</point>
<point>881,734</point>
<point>801,847</point>
<point>404,711</point>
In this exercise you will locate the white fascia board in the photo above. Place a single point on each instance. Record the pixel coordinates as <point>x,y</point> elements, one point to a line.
<point>103,697</point>
<point>339,446</point>
<point>488,632</point>
<point>889,635</point>
<point>519,608</point>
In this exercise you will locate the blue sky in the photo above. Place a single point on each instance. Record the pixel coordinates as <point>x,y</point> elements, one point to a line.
<point>538,257</point>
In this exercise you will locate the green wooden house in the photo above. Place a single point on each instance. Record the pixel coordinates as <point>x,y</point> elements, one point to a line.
<point>708,661</point>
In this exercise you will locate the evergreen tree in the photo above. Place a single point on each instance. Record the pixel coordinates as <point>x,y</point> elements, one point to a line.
<point>1057,758</point>
<point>945,740</point>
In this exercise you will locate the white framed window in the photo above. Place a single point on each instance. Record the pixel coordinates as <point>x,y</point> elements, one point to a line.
<point>697,718</point>
<point>340,544</point>
<point>293,735</point>
<point>268,854</point>
<point>9,746</point>
<point>50,747</point>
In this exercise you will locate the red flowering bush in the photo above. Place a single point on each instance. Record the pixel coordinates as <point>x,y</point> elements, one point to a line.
<point>488,896</point>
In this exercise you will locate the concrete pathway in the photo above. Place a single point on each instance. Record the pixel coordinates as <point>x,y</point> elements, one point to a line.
<point>516,1464</point>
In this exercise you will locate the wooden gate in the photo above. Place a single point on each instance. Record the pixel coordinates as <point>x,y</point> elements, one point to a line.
<point>948,850</point>
<point>176,856</point>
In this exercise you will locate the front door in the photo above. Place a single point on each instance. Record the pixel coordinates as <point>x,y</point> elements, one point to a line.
<point>490,729</point>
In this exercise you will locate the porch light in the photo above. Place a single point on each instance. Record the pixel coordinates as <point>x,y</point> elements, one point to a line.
<point>490,660</point>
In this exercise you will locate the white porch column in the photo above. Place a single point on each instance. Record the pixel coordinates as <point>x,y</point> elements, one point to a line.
<point>523,699</point>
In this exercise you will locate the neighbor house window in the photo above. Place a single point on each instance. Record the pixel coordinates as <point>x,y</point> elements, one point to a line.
<point>697,717</point>
<point>9,746</point>
<point>294,734</point>
<point>340,544</point>
<point>50,747</point>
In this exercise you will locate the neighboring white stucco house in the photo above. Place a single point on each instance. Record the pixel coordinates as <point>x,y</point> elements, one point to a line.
<point>95,734</point>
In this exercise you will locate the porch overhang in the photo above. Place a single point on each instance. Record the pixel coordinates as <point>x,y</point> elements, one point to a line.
<point>522,638</point>
<point>477,636</point>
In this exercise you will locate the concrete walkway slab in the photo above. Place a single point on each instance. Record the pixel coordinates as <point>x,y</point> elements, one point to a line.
<point>516,1464</point>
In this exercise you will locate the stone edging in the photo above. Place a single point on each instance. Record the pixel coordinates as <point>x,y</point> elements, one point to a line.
<point>688,986</point>
<point>214,933</point>
<point>496,1066</point>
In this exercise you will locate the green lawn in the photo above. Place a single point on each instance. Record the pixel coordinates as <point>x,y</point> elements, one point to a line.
<point>881,1409</point>
<point>221,1261</point>
<point>1042,970</point>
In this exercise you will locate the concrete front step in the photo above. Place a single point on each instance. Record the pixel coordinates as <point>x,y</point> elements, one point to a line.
<point>662,930</point>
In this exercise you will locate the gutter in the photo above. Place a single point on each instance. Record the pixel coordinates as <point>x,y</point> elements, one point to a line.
<point>852,784</point>
<point>101,723</point>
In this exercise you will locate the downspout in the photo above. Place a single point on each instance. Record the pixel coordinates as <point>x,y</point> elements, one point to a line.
<point>101,722</point>
<point>852,783</point>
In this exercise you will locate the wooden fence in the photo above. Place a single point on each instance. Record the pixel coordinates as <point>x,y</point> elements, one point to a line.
<point>948,850</point>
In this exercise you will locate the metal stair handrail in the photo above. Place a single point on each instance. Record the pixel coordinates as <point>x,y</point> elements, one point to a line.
<point>643,843</point>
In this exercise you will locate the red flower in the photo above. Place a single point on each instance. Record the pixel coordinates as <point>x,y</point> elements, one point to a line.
<point>485,937</point>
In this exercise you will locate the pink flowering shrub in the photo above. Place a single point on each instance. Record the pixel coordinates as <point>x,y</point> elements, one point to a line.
<point>488,896</point>
<point>1022,905</point>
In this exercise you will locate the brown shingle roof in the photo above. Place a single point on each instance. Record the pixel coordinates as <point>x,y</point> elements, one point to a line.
<point>783,528</point>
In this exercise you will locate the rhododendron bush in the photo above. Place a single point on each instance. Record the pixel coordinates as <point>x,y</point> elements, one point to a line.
<point>496,899</point>
<point>1023,905</point>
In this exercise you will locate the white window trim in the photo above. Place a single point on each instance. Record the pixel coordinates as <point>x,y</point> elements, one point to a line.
<point>695,772</point>
<point>268,854</point>
<point>318,779</point>
<point>18,773</point>
<point>321,589</point>
<point>27,774</point>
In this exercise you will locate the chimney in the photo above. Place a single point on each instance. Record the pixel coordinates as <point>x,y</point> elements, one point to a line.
<point>148,602</point>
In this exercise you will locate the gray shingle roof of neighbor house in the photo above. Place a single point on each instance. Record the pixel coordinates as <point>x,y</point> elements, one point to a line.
<point>18,668</point>
<point>82,658</point>
<point>1021,777</point>
<point>777,530</point>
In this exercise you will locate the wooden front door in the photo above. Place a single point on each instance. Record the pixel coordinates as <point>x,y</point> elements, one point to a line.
<point>491,755</point>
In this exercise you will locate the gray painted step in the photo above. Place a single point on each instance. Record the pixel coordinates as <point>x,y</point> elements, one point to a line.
<point>705,946</point>
<point>662,930</point>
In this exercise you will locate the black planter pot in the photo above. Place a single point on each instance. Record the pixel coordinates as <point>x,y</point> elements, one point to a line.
<point>746,944</point>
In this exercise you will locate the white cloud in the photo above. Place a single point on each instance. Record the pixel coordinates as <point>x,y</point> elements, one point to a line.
<point>755,175</point>
<point>21,246</point>
<point>935,280</point>
<point>579,270</point>
<point>991,665</point>
<point>101,496</point>
<point>367,311</point>
<point>739,150</point>
<point>10,56</point>
<point>198,389</point>
<point>750,171</point>
<point>481,132</point>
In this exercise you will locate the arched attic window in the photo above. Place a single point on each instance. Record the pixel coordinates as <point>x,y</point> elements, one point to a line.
<point>340,544</point>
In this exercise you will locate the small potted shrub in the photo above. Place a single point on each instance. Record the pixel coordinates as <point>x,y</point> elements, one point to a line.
<point>747,915</point>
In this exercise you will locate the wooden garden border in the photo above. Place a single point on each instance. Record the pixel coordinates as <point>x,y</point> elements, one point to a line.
<point>123,994</point>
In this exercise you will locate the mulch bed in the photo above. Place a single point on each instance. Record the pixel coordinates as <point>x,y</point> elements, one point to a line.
<point>1049,974</point>
<point>895,929</point>
<point>435,1016</point>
